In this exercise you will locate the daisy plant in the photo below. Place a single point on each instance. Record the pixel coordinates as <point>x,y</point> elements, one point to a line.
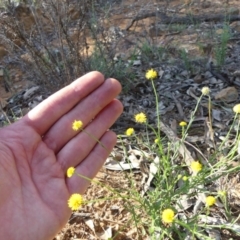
<point>181,188</point>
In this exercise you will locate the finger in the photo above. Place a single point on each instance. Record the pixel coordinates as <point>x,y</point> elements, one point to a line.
<point>85,111</point>
<point>42,117</point>
<point>79,147</point>
<point>91,164</point>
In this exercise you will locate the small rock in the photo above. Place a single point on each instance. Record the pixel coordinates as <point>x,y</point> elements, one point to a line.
<point>208,74</point>
<point>213,80</point>
<point>146,103</point>
<point>237,81</point>
<point>136,63</point>
<point>160,73</point>
<point>167,76</point>
<point>229,94</point>
<point>235,74</point>
<point>198,78</point>
<point>184,73</point>
<point>33,104</point>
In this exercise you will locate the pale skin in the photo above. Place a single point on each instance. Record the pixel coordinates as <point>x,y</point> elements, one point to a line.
<point>36,152</point>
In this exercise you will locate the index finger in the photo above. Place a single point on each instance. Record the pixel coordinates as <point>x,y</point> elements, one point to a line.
<point>43,116</point>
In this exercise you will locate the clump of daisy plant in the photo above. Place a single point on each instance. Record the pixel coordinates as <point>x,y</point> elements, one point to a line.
<point>174,176</point>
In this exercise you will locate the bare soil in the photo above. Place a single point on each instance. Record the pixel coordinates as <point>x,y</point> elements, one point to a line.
<point>100,218</point>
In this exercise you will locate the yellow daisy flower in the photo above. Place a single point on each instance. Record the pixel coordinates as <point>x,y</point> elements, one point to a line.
<point>129,131</point>
<point>140,118</point>
<point>236,108</point>
<point>77,124</point>
<point>70,171</point>
<point>182,124</point>
<point>205,90</point>
<point>75,201</point>
<point>168,215</point>
<point>210,200</point>
<point>151,74</point>
<point>196,166</point>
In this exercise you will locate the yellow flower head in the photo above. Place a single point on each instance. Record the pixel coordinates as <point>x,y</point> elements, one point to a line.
<point>182,124</point>
<point>140,118</point>
<point>236,108</point>
<point>157,140</point>
<point>129,131</point>
<point>196,166</point>
<point>205,90</point>
<point>70,171</point>
<point>151,74</point>
<point>184,178</point>
<point>77,124</point>
<point>210,200</point>
<point>168,215</point>
<point>75,201</point>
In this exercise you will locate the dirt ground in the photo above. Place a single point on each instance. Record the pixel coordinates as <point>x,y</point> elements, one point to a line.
<point>108,219</point>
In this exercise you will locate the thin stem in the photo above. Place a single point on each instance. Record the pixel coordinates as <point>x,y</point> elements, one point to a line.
<point>157,108</point>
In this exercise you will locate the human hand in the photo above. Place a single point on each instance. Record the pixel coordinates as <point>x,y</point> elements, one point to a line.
<point>36,152</point>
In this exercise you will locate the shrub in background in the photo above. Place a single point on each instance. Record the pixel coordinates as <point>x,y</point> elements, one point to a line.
<point>49,40</point>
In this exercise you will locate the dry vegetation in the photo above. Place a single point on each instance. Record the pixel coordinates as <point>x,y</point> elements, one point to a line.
<point>191,44</point>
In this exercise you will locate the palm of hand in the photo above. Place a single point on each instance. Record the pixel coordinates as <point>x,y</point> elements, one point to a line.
<point>36,183</point>
<point>36,151</point>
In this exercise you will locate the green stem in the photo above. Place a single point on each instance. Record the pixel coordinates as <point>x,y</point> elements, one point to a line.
<point>157,109</point>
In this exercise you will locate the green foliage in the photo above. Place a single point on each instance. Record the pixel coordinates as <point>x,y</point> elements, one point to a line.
<point>185,58</point>
<point>177,27</point>
<point>220,51</point>
<point>171,188</point>
<point>151,52</point>
<point>56,42</point>
<point>100,60</point>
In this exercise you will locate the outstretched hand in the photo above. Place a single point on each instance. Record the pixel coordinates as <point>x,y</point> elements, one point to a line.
<point>36,152</point>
